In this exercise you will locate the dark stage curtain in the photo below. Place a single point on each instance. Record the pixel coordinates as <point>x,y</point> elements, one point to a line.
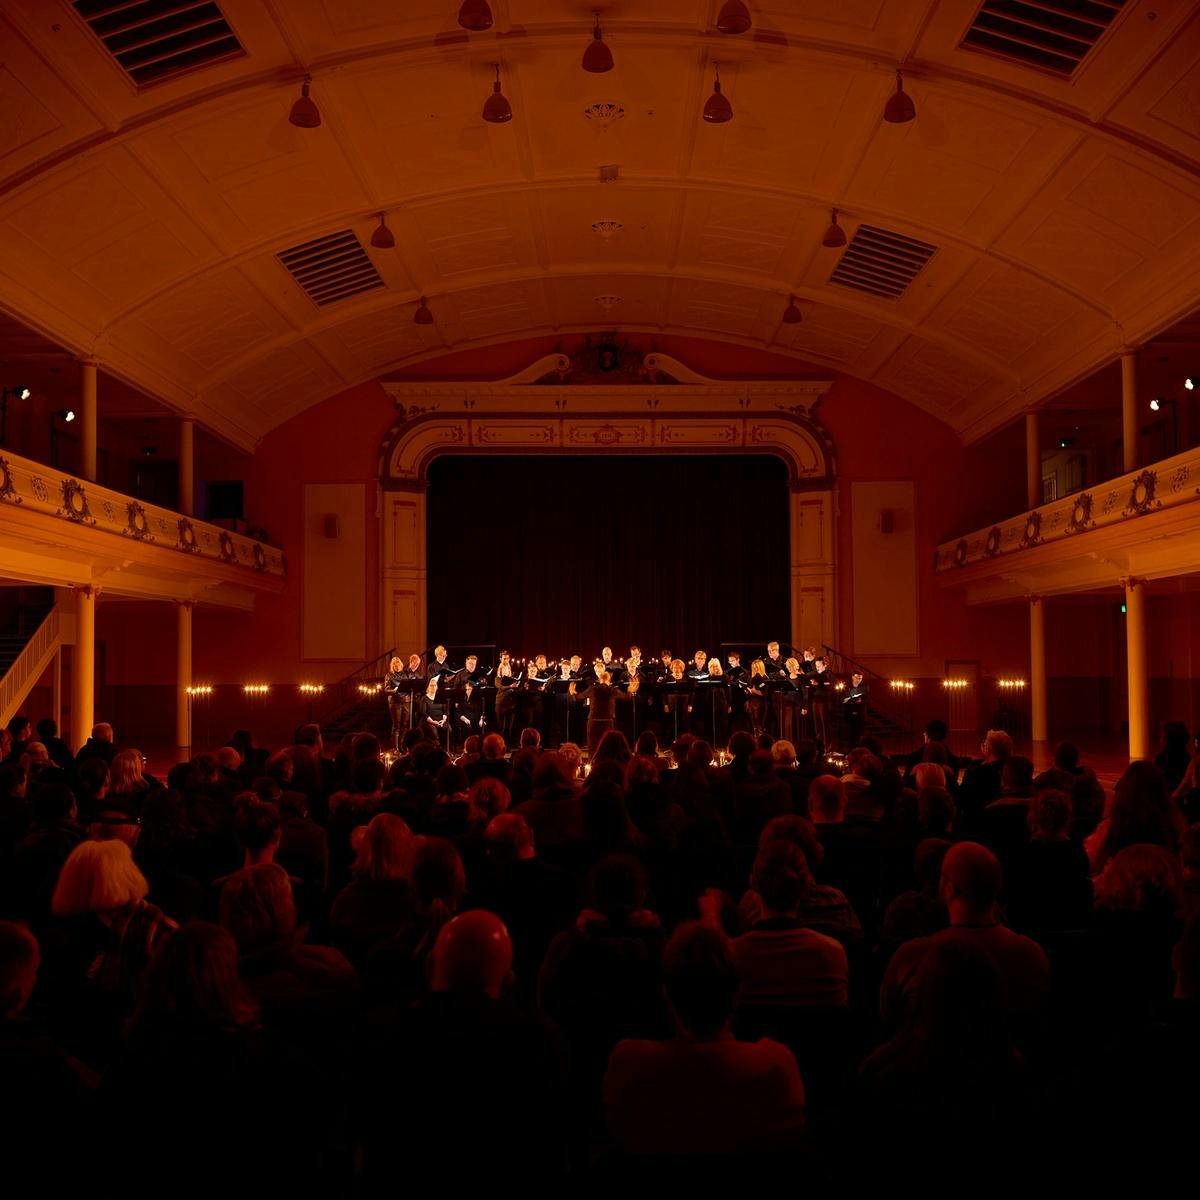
<point>562,554</point>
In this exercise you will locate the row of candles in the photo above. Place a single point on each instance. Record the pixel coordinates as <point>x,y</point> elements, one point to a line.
<point>959,685</point>
<point>257,689</point>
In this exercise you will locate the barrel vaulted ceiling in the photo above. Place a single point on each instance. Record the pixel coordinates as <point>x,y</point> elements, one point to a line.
<point>144,224</point>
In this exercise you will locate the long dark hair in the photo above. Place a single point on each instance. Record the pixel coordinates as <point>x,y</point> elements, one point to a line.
<point>1142,813</point>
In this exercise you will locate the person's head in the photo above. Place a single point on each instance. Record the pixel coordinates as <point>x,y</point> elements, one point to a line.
<point>386,849</point>
<point>605,677</point>
<point>439,652</point>
<point>509,838</point>
<point>125,775</point>
<point>617,885</point>
<point>937,730</point>
<point>20,729</point>
<point>47,728</point>
<point>19,961</point>
<point>51,803</point>
<point>714,667</point>
<point>927,863</point>
<point>471,662</point>
<point>781,877</point>
<point>540,663</point>
<point>665,657</point>
<point>821,663</point>
<point>530,739</point>
<point>1016,775</point>
<point>552,773</point>
<point>572,755</point>
<point>438,879</point>
<point>310,735</point>
<point>856,678</point>
<point>699,754</point>
<point>793,666</point>
<point>761,764</point>
<point>367,776</point>
<point>1143,879</point>
<point>936,752</point>
<point>970,882</point>
<point>194,979</point>
<point>492,748</point>
<point>1175,737</point>
<point>734,659</point>
<point>646,745</point>
<point>395,664</point>
<point>257,827</point>
<point>1066,757</point>
<point>700,658</point>
<point>452,781</point>
<point>700,980</point>
<point>576,663</point>
<point>996,746</point>
<point>489,797</point>
<point>741,745</point>
<point>227,759</point>
<point>677,668</point>
<point>613,747</point>
<point>800,831</point>
<point>758,669</point>
<point>257,907</point>
<point>825,800</point>
<point>928,774</point>
<point>1050,815</point>
<point>773,649</point>
<point>472,956</point>
<point>98,877</point>
<point>935,810</point>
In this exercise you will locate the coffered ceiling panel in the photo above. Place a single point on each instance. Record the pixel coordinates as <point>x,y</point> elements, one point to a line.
<point>146,224</point>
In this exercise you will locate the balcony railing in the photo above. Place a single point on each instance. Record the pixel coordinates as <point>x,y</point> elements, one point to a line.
<point>1165,485</point>
<point>40,489</point>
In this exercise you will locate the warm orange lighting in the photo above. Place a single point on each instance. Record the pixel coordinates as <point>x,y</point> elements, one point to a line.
<point>256,689</point>
<point>312,689</point>
<point>954,685</point>
<point>200,689</point>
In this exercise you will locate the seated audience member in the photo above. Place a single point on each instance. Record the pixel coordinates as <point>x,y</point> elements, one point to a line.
<point>305,992</point>
<point>20,734</point>
<point>303,852</point>
<point>253,758</point>
<point>920,911</point>
<point>99,744</point>
<point>45,1090</point>
<point>981,781</point>
<point>395,968</point>
<point>554,811</point>
<point>195,1048</point>
<point>524,761</point>
<point>1046,882</point>
<point>781,962</point>
<point>352,807</point>
<point>1140,813</point>
<point>59,751</point>
<point>785,760</point>
<point>1004,823</point>
<point>37,859</point>
<point>167,854</point>
<point>491,763</point>
<point>1175,756</point>
<point>461,1040</point>
<point>377,902</point>
<point>258,829</point>
<point>91,786</point>
<point>601,980</point>
<point>535,900</point>
<point>936,733</point>
<point>104,934</point>
<point>951,1067</point>
<point>128,783</point>
<point>970,885</point>
<point>702,1092</point>
<point>757,797</point>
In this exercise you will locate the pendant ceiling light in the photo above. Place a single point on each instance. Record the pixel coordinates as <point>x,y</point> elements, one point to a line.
<point>734,17</point>
<point>792,314</point>
<point>475,15</point>
<point>305,114</point>
<point>383,238</point>
<point>717,109</point>
<point>423,316</point>
<point>835,235</point>
<point>900,107</point>
<point>597,58</point>
<point>496,109</point>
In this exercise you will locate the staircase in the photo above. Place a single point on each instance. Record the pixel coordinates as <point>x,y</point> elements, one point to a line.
<point>885,717</point>
<point>27,647</point>
<point>346,708</point>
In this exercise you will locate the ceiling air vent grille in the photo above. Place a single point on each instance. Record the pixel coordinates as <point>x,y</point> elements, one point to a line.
<point>1048,35</point>
<point>880,262</point>
<point>155,40</point>
<point>330,268</point>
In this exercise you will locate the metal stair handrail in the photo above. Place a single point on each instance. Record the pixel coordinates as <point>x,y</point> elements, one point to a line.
<point>343,693</point>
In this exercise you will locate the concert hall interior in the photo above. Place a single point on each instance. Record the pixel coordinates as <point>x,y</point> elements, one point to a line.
<point>618,577</point>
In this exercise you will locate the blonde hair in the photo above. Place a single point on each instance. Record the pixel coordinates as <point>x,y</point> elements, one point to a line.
<point>929,774</point>
<point>714,666</point>
<point>677,664</point>
<point>97,877</point>
<point>792,664</point>
<point>125,774</point>
<point>758,667</point>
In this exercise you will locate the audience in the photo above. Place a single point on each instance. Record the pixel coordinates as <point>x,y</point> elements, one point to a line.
<point>421,966</point>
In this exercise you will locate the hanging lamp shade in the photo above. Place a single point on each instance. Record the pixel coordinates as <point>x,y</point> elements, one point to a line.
<point>899,108</point>
<point>496,108</point>
<point>382,237</point>
<point>597,58</point>
<point>835,235</point>
<point>792,314</point>
<point>475,15</point>
<point>734,17</point>
<point>305,114</point>
<point>717,109</point>
<point>423,316</point>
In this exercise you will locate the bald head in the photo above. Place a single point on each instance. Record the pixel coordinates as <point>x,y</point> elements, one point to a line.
<point>970,881</point>
<point>473,954</point>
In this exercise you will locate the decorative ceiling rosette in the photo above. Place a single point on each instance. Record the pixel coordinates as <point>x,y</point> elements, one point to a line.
<point>1141,495</point>
<point>1033,530</point>
<point>137,526</point>
<point>1081,513</point>
<point>74,503</point>
<point>187,537</point>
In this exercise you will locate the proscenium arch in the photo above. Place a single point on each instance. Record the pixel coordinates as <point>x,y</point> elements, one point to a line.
<point>536,413</point>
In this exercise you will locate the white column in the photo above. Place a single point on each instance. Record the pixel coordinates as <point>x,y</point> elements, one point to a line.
<point>183,672</point>
<point>1033,460</point>
<point>187,478</point>
<point>83,667</point>
<point>87,420</point>
<point>1131,419</point>
<point>1037,668</point>
<point>1137,662</point>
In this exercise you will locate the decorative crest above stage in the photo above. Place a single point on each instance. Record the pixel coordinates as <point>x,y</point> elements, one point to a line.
<point>608,397</point>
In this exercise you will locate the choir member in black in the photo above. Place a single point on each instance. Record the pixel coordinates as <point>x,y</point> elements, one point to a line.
<point>560,692</point>
<point>439,665</point>
<point>854,709</point>
<point>699,667</point>
<point>666,658</point>
<point>820,684</point>
<point>508,683</point>
<point>758,697</point>
<point>792,691</point>
<point>711,704</point>
<point>735,678</point>
<point>400,688</point>
<point>468,699</point>
<point>808,660</point>
<point>774,664</point>
<point>675,692</point>
<point>606,657</point>
<point>601,699</point>
<point>537,679</point>
<point>436,712</point>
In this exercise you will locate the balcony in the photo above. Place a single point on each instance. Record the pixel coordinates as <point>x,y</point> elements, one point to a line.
<point>1144,525</point>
